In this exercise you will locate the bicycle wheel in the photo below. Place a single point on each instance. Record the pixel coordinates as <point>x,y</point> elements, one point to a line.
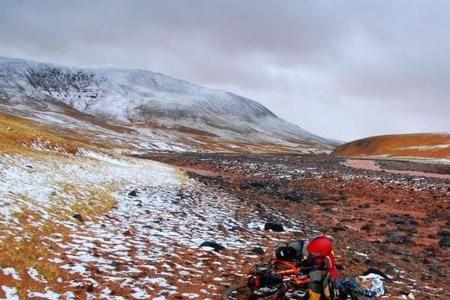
<point>243,292</point>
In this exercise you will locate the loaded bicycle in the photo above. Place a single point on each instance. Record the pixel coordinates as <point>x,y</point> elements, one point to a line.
<point>287,276</point>
<point>273,280</point>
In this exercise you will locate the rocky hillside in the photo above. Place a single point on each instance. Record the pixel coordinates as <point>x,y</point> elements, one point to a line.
<point>160,112</point>
<point>420,146</point>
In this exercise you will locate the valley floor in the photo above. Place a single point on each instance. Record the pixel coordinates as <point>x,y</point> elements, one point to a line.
<point>77,223</point>
<point>381,217</point>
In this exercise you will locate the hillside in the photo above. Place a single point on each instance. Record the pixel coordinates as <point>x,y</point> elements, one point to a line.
<point>80,223</point>
<point>156,111</point>
<point>420,146</point>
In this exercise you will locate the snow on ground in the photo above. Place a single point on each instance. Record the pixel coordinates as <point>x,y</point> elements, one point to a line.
<point>148,245</point>
<point>33,181</point>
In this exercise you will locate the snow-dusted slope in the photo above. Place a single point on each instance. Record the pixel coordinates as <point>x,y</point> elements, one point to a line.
<point>147,99</point>
<point>71,229</point>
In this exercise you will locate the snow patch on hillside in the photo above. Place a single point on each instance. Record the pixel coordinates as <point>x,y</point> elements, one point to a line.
<point>34,181</point>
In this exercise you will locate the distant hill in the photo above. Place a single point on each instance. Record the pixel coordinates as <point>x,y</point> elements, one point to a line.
<point>157,111</point>
<point>420,145</point>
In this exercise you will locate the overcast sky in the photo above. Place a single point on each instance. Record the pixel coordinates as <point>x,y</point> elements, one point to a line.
<point>340,69</point>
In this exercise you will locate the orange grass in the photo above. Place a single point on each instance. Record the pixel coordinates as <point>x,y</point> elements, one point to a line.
<point>26,247</point>
<point>401,145</point>
<point>17,133</point>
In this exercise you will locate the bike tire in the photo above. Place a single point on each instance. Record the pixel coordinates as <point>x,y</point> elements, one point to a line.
<point>243,289</point>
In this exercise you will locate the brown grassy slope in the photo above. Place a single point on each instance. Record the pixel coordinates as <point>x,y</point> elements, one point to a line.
<point>17,133</point>
<point>420,145</point>
<point>23,239</point>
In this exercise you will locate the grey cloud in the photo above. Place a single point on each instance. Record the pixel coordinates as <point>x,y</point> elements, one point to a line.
<point>342,69</point>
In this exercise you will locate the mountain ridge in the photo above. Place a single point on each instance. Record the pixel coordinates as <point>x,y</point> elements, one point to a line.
<point>131,97</point>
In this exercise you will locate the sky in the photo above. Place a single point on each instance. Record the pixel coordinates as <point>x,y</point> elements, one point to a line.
<point>340,69</point>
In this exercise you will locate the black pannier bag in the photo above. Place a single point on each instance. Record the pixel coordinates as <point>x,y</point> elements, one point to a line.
<point>291,251</point>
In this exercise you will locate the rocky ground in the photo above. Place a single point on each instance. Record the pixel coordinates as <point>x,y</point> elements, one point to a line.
<point>77,223</point>
<point>161,235</point>
<point>382,218</point>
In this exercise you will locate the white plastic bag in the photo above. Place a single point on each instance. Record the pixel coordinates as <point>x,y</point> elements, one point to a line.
<point>373,283</point>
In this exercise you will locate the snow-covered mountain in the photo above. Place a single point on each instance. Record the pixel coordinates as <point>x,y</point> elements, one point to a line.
<point>177,112</point>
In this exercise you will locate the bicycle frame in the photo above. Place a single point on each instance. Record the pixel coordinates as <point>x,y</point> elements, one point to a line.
<point>291,272</point>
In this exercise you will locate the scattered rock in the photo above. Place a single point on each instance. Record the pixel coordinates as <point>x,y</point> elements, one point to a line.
<point>338,228</point>
<point>277,227</point>
<point>407,228</point>
<point>366,227</point>
<point>444,232</point>
<point>253,185</point>
<point>258,251</point>
<point>217,247</point>
<point>445,242</point>
<point>133,193</point>
<point>426,277</point>
<point>437,270</point>
<point>294,195</point>
<point>394,238</point>
<point>235,228</point>
<point>115,264</point>
<point>78,217</point>
<point>326,203</point>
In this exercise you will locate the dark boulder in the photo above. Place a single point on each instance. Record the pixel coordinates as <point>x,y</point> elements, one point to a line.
<point>394,238</point>
<point>294,195</point>
<point>366,227</point>
<point>78,217</point>
<point>338,227</point>
<point>407,228</point>
<point>116,265</point>
<point>277,227</point>
<point>258,251</point>
<point>444,232</point>
<point>365,205</point>
<point>253,185</point>
<point>217,247</point>
<point>133,193</point>
<point>445,242</point>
